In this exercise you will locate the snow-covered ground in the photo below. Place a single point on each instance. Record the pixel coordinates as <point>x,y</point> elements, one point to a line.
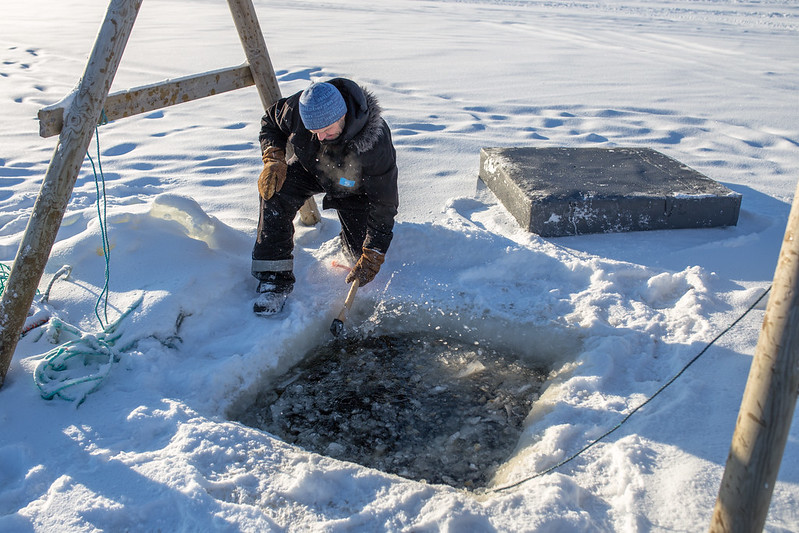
<point>712,83</point>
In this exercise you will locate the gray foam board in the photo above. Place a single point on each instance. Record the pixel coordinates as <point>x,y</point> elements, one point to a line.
<point>556,192</point>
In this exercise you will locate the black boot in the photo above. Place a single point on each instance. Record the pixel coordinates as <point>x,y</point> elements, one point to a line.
<point>273,290</point>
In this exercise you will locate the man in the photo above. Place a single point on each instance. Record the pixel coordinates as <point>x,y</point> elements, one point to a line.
<point>329,138</point>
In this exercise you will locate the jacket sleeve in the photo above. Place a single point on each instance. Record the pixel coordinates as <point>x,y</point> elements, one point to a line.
<point>380,184</point>
<point>276,125</point>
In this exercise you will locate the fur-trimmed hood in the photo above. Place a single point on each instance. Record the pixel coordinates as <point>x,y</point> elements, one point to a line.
<point>364,124</point>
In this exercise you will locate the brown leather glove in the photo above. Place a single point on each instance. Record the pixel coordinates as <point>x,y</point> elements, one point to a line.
<point>274,173</point>
<point>367,267</point>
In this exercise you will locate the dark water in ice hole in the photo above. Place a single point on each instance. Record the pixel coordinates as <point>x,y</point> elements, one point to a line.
<point>416,405</point>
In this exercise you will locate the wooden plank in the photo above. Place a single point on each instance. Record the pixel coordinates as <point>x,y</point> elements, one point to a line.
<point>85,107</point>
<point>156,96</point>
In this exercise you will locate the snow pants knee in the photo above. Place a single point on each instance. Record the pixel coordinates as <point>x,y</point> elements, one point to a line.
<point>274,242</point>
<point>353,215</point>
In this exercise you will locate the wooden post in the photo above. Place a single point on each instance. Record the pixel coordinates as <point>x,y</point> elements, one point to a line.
<point>263,73</point>
<point>768,403</point>
<point>255,50</point>
<point>48,211</point>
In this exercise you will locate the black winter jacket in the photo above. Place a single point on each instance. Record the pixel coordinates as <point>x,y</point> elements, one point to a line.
<point>357,171</point>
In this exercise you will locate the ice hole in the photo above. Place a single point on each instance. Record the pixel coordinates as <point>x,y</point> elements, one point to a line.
<point>424,406</point>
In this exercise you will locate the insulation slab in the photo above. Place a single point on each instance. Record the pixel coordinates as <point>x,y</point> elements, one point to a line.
<point>556,192</point>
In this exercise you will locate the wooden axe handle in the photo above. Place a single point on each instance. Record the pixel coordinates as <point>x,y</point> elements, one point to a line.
<point>348,302</point>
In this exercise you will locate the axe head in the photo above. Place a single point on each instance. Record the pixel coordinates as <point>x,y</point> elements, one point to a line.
<point>336,327</point>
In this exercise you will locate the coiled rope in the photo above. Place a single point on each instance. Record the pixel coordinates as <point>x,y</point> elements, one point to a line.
<point>78,367</point>
<point>631,413</point>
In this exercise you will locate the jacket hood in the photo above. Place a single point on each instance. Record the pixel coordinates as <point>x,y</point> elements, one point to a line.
<point>364,124</point>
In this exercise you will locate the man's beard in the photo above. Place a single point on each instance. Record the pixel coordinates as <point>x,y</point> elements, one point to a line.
<point>329,142</point>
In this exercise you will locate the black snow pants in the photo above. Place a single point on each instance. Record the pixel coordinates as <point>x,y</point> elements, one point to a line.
<point>274,242</point>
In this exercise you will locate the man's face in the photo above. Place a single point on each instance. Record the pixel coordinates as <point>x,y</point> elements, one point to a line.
<point>332,132</point>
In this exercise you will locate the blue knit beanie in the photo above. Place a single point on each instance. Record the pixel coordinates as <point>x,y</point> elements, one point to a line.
<point>321,105</point>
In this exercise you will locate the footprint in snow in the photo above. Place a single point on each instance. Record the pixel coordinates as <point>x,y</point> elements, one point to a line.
<point>120,149</point>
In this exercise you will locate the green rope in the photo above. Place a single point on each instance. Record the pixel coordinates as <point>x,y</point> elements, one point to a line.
<point>4,273</point>
<point>99,184</point>
<point>77,368</point>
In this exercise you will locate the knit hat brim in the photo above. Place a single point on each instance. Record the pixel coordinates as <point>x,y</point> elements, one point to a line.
<point>321,105</point>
